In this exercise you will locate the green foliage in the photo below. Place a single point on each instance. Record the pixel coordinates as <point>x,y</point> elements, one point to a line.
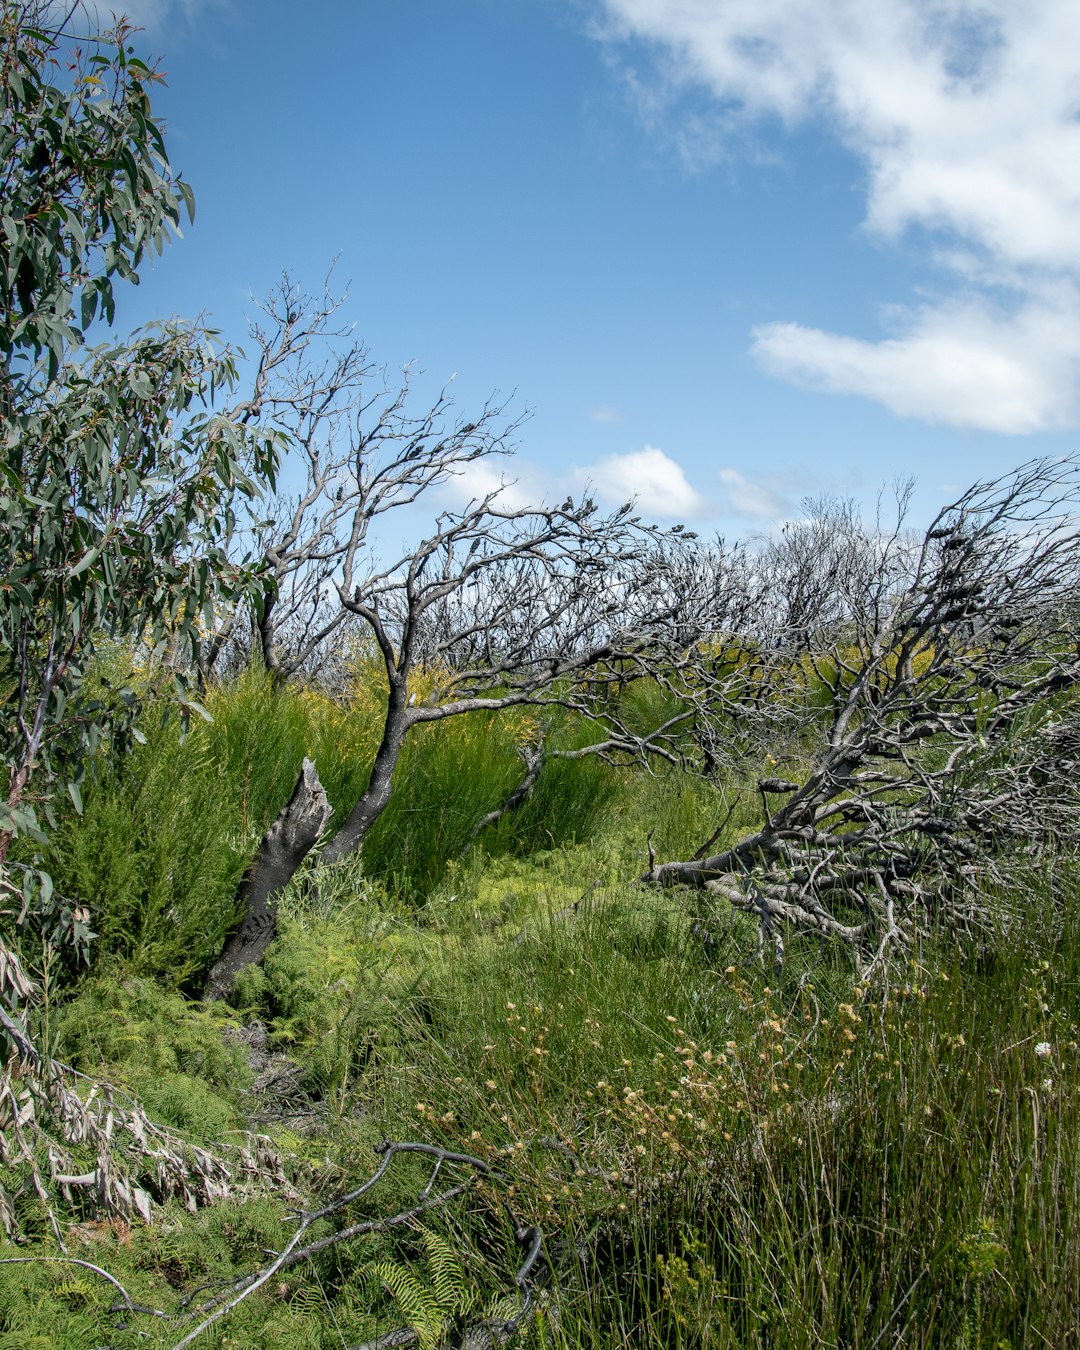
<point>87,187</point>
<point>167,830</point>
<point>452,773</point>
<point>170,1053</point>
<point>119,481</point>
<point>335,983</point>
<point>902,1166</point>
<point>570,802</point>
<point>744,1164</point>
<point>156,854</point>
<point>428,1296</point>
<point>260,734</point>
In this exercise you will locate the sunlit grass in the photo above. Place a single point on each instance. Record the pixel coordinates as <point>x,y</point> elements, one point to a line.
<point>718,1158</point>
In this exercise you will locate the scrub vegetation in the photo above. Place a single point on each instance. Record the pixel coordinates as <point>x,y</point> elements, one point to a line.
<point>632,941</point>
<point>714,1156</point>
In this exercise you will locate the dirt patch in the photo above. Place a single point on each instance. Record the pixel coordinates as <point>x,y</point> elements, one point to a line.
<point>276,1096</point>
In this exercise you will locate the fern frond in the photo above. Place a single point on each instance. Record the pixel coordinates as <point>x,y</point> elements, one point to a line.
<point>448,1275</point>
<point>309,1300</point>
<point>417,1304</point>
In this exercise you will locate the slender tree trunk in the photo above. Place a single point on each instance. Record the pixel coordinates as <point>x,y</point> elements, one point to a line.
<point>377,793</point>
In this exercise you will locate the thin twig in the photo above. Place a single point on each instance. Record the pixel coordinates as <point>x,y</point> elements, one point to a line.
<point>86,1265</point>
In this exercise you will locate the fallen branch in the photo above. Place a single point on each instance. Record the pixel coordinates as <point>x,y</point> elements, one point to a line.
<point>936,697</point>
<point>234,1292</point>
<point>86,1265</point>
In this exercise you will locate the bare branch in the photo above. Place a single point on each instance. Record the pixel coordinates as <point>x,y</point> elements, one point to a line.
<point>932,697</point>
<point>230,1295</point>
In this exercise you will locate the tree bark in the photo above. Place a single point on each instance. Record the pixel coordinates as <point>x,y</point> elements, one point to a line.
<point>373,801</point>
<point>285,845</point>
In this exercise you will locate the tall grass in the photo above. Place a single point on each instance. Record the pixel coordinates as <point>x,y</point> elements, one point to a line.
<point>717,1159</point>
<point>790,1167</point>
<point>167,831</point>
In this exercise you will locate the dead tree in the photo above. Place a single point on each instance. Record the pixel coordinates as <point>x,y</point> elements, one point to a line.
<point>502,608</point>
<point>803,575</point>
<point>940,728</point>
<point>498,606</point>
<point>285,845</point>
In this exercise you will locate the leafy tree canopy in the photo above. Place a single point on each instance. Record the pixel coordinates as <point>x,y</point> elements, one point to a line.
<point>120,471</point>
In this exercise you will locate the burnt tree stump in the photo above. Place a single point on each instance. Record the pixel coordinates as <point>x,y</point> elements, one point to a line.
<point>285,845</point>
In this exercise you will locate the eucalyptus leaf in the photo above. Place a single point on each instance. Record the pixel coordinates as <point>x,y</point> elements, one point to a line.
<point>118,465</point>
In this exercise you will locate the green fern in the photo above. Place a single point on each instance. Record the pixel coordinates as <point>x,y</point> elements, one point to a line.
<point>416,1303</point>
<point>309,1300</point>
<point>430,1295</point>
<point>448,1274</point>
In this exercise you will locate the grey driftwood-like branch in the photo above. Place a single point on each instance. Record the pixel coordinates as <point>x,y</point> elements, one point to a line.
<point>463,1169</point>
<point>935,703</point>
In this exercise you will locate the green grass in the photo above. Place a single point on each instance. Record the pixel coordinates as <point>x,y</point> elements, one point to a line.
<point>717,1159</point>
<point>167,831</point>
<point>796,1167</point>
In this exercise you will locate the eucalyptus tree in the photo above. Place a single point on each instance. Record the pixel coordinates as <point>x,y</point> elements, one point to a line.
<point>120,478</point>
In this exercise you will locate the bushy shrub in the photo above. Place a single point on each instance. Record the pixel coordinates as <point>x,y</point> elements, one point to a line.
<point>169,1052</point>
<point>167,830</point>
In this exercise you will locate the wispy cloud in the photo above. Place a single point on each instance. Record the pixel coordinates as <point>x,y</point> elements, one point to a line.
<point>755,499</point>
<point>152,15</point>
<point>648,476</point>
<point>517,484</point>
<point>959,364</point>
<point>965,118</point>
<point>605,414</point>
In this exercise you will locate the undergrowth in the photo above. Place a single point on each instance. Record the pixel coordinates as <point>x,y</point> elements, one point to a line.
<point>717,1157</point>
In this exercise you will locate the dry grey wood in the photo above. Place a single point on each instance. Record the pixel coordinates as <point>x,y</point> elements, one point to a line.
<point>494,605</point>
<point>930,691</point>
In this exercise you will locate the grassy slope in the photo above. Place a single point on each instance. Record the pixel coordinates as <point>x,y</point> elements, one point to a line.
<point>794,1166</point>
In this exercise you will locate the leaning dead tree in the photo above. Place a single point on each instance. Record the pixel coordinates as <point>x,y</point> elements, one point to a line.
<point>288,841</point>
<point>491,607</point>
<point>938,725</point>
<point>503,608</point>
<point>498,606</point>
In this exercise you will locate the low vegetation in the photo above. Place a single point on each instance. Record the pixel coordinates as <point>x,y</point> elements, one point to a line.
<point>713,1157</point>
<point>562,933</point>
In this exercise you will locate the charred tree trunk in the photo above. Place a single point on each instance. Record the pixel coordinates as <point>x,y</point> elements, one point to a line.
<point>377,793</point>
<point>284,847</point>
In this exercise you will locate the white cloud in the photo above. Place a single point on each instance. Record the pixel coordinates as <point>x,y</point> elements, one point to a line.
<point>958,364</point>
<point>519,484</point>
<point>763,499</point>
<point>649,477</point>
<point>965,117</point>
<point>605,414</point>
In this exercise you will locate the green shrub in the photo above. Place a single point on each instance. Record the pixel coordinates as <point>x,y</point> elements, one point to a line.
<point>167,831</point>
<point>168,1052</point>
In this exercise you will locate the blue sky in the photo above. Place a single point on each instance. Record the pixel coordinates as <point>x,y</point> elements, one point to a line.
<point>730,253</point>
